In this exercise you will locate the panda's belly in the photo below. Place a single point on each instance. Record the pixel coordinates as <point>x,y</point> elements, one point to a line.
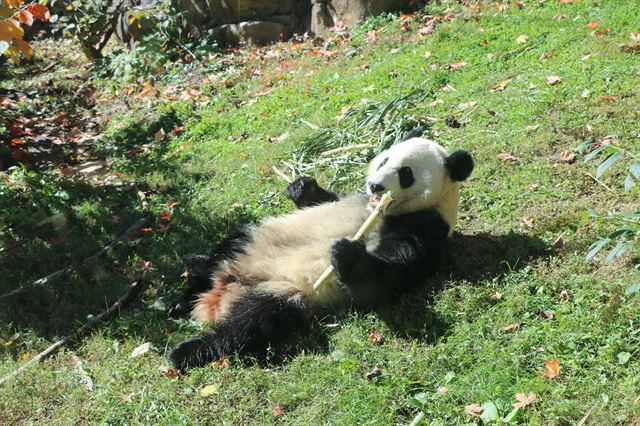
<point>288,253</point>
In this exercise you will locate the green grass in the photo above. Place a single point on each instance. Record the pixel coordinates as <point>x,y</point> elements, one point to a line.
<point>446,349</point>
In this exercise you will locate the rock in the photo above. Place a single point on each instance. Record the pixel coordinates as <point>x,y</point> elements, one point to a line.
<point>253,32</point>
<point>326,13</point>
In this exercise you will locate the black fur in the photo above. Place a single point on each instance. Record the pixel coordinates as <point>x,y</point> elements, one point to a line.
<point>460,165</point>
<point>406,177</point>
<point>255,322</point>
<point>414,133</point>
<point>410,249</point>
<point>201,280</point>
<point>305,192</point>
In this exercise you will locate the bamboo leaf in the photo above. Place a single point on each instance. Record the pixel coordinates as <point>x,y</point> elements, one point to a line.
<point>618,250</point>
<point>628,183</point>
<point>634,169</point>
<point>593,153</point>
<point>596,247</point>
<point>610,161</point>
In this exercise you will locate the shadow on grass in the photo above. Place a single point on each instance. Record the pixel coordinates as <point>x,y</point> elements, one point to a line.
<point>469,259</point>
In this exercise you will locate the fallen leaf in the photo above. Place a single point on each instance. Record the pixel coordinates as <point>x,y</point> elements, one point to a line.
<point>527,221</point>
<point>567,156</point>
<point>560,16</point>
<point>505,156</point>
<point>532,128</point>
<point>278,411</point>
<point>565,1</point>
<point>16,142</point>
<point>473,409</point>
<point>436,102</point>
<point>635,37</point>
<point>551,368</point>
<point>497,295</point>
<point>371,37</point>
<point>546,314</point>
<point>511,327</point>
<point>558,244</point>
<point>501,86</point>
<point>522,39</point>
<point>170,373</point>
<point>5,101</point>
<point>564,295</point>
<point>159,135</point>
<point>222,363</point>
<point>39,11</point>
<point>593,24</point>
<point>553,80</point>
<point>141,350</point>
<point>585,93</point>
<point>519,4</point>
<point>374,336</point>
<point>442,390</point>
<point>467,105</point>
<point>603,31</point>
<point>427,54</point>
<point>501,7</point>
<point>456,66</point>
<point>630,48</point>
<point>376,372</point>
<point>524,400</point>
<point>609,98</point>
<point>209,390</point>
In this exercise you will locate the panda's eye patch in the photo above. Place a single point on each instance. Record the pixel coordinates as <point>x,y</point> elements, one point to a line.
<point>382,163</point>
<point>406,177</point>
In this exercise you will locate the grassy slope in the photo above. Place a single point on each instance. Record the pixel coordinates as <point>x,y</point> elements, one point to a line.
<point>219,171</point>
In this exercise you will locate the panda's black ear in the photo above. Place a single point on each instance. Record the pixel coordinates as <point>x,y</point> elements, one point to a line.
<point>459,164</point>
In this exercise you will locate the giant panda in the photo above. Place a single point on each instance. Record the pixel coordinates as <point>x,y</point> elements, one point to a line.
<point>262,287</point>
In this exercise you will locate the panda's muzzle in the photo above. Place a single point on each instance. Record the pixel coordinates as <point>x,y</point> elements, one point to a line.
<point>375,191</point>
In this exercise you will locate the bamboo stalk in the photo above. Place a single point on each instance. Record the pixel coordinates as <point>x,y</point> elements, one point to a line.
<point>364,230</point>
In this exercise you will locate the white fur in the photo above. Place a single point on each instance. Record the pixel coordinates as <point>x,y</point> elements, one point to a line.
<point>432,188</point>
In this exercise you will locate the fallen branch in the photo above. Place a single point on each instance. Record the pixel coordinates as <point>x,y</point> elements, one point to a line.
<point>42,281</point>
<point>84,377</point>
<point>346,148</point>
<point>134,290</point>
<point>281,174</point>
<point>365,229</point>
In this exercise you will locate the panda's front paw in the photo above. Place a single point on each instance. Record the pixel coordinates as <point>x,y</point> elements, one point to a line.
<point>301,191</point>
<point>345,256</point>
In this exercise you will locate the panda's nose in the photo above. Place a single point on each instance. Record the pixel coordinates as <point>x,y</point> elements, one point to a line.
<point>375,187</point>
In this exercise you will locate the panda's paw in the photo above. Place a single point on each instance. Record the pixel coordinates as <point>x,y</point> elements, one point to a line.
<point>345,255</point>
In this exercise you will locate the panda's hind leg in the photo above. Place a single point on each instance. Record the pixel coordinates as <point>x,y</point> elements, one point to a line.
<point>253,323</point>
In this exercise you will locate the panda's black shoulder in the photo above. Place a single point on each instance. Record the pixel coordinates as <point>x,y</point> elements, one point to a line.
<point>427,224</point>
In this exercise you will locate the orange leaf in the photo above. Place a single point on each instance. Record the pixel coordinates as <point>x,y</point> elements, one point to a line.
<point>456,66</point>
<point>39,11</point>
<point>374,336</point>
<point>10,30</point>
<point>24,47</point>
<point>524,400</point>
<point>278,411</point>
<point>16,142</point>
<point>26,17</point>
<point>474,409</point>
<point>603,31</point>
<point>551,368</point>
<point>591,25</point>
<point>511,327</point>
<point>565,1</point>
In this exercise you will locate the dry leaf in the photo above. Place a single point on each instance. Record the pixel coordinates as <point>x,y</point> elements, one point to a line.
<point>371,37</point>
<point>456,66</point>
<point>511,327</point>
<point>551,368</point>
<point>567,156</point>
<point>501,7</point>
<point>585,93</point>
<point>376,372</point>
<point>222,363</point>
<point>141,350</point>
<point>603,31</point>
<point>501,86</point>
<point>533,128</point>
<point>505,156</point>
<point>436,102</point>
<point>467,105</point>
<point>546,315</point>
<point>522,39</point>
<point>209,390</point>
<point>524,400</point>
<point>609,98</point>
<point>630,48</point>
<point>160,135</point>
<point>427,54</point>
<point>374,336</point>
<point>593,24</point>
<point>473,409</point>
<point>553,80</point>
<point>527,222</point>
<point>560,16</point>
<point>278,411</point>
<point>170,373</point>
<point>564,295</point>
<point>565,1</point>
<point>558,244</point>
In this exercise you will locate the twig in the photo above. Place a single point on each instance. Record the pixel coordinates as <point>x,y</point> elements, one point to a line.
<point>583,420</point>
<point>67,269</point>
<point>134,290</point>
<point>599,181</point>
<point>281,174</point>
<point>346,148</point>
<point>362,232</point>
<point>86,379</point>
<point>313,126</point>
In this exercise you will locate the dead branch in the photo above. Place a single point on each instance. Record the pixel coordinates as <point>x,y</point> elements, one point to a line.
<point>42,281</point>
<point>114,310</point>
<point>281,174</point>
<point>84,377</point>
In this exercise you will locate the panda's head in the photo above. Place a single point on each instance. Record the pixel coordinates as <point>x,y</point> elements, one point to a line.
<point>420,174</point>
